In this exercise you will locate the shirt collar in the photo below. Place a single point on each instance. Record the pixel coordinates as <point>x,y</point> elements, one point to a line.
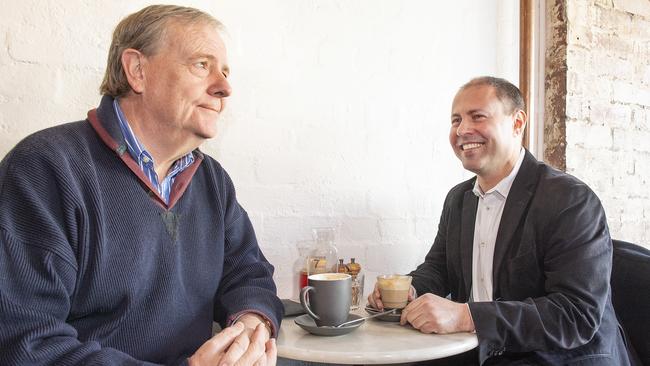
<point>137,150</point>
<point>503,187</point>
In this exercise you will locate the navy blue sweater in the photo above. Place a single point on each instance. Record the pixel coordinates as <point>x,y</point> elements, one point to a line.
<point>96,269</point>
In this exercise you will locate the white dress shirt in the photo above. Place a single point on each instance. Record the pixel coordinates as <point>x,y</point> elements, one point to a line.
<point>486,226</point>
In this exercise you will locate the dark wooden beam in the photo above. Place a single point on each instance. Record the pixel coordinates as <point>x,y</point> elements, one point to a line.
<point>527,59</point>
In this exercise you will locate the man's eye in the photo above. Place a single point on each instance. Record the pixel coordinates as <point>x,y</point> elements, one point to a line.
<point>455,121</point>
<point>478,116</point>
<point>201,65</point>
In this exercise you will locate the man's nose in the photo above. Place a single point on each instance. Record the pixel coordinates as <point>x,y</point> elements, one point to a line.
<point>220,87</point>
<point>463,128</point>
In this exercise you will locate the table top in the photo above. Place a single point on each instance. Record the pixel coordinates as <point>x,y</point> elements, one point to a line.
<point>374,342</point>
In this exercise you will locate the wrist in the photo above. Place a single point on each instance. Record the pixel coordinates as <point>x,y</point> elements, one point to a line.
<point>467,320</point>
<point>251,320</point>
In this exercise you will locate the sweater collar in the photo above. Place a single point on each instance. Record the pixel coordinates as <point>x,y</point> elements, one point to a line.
<point>104,122</point>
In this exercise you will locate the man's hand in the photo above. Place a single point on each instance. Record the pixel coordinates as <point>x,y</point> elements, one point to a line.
<point>238,346</point>
<point>251,320</point>
<point>374,299</point>
<point>433,314</point>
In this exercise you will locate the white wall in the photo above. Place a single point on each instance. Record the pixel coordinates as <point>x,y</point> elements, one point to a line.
<point>339,116</point>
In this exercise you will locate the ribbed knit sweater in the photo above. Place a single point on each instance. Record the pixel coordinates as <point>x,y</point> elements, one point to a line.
<point>96,269</point>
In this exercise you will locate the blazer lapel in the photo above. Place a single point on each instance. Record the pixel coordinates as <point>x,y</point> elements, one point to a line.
<point>520,194</point>
<point>470,203</point>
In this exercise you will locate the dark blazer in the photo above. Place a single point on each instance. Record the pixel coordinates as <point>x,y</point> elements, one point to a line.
<point>552,266</point>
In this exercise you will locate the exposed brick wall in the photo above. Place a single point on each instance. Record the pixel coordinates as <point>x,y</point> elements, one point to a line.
<point>607,106</point>
<point>555,85</point>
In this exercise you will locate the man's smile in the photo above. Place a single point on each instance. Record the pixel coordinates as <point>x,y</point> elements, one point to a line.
<point>471,146</point>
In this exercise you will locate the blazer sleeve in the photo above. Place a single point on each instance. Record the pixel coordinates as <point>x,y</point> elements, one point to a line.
<point>575,255</point>
<point>431,276</point>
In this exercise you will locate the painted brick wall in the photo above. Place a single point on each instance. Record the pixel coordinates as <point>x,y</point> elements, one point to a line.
<point>608,108</point>
<point>339,116</point>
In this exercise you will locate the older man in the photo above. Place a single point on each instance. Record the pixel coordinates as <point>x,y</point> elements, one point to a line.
<point>522,249</point>
<point>120,241</point>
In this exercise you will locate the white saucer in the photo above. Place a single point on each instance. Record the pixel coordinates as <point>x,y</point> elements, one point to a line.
<point>307,323</point>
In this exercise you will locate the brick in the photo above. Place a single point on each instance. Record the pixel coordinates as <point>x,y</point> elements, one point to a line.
<point>633,211</point>
<point>397,229</point>
<point>642,170</point>
<point>636,7</point>
<point>645,72</point>
<point>574,106</point>
<point>635,232</point>
<point>634,186</point>
<point>278,230</point>
<point>577,13</point>
<point>361,229</point>
<point>588,135</point>
<point>639,120</point>
<point>610,114</point>
<point>604,3</point>
<point>628,93</point>
<point>621,69</point>
<point>631,140</point>
<point>612,44</point>
<point>403,258</point>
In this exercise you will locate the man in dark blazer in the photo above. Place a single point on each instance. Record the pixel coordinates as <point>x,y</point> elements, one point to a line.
<point>522,255</point>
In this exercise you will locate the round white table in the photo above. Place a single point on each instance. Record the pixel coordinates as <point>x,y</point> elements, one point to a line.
<point>374,342</point>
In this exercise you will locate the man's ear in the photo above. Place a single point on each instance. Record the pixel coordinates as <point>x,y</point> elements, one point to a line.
<point>519,123</point>
<point>132,62</point>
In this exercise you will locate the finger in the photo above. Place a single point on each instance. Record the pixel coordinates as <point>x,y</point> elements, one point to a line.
<point>372,296</point>
<point>403,318</point>
<point>255,349</point>
<point>236,350</point>
<point>378,303</point>
<point>213,349</point>
<point>223,339</point>
<point>412,292</point>
<point>417,321</point>
<point>271,352</point>
<point>410,309</point>
<point>261,361</point>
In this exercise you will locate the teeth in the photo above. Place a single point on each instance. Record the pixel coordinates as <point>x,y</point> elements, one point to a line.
<point>471,146</point>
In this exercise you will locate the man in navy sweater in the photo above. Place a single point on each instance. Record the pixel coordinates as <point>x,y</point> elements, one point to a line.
<point>120,241</point>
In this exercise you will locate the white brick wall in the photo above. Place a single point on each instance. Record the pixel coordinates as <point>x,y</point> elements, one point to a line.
<point>339,115</point>
<point>608,104</point>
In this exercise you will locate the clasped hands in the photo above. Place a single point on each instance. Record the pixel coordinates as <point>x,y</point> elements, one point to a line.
<point>430,313</point>
<point>247,342</point>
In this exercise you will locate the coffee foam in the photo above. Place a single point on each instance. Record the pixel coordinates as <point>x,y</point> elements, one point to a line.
<point>329,276</point>
<point>394,282</point>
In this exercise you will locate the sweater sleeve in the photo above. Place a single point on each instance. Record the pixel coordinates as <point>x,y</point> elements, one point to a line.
<point>247,282</point>
<point>38,268</point>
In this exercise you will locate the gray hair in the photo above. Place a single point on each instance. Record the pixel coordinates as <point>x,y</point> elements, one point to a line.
<point>144,31</point>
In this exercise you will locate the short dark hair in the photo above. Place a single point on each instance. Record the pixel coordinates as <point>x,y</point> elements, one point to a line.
<point>507,92</point>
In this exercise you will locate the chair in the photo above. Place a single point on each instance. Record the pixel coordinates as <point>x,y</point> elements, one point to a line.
<point>631,296</point>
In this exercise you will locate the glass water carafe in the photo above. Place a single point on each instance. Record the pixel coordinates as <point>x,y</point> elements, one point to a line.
<point>324,255</point>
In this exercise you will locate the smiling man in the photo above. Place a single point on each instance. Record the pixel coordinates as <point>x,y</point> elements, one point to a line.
<point>120,241</point>
<point>522,255</point>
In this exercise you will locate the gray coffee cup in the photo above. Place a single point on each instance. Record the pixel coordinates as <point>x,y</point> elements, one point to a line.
<point>327,298</point>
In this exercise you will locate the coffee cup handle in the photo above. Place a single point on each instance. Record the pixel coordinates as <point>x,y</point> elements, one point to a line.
<point>305,303</point>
